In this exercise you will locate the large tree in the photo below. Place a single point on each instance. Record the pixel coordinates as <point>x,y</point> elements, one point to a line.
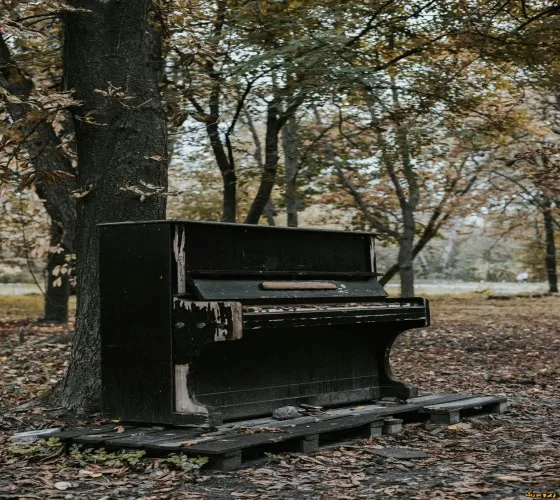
<point>121,138</point>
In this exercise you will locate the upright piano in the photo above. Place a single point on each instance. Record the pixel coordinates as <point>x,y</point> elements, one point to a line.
<point>206,322</point>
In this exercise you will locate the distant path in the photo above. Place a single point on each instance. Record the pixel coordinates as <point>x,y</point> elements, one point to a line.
<point>450,287</point>
<point>422,287</point>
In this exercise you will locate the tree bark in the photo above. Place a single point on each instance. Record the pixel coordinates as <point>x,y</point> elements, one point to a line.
<point>269,208</point>
<point>291,168</point>
<point>122,155</point>
<point>550,259</point>
<point>268,178</point>
<point>229,177</point>
<point>54,180</point>
<point>408,202</point>
<point>406,254</point>
<point>450,246</point>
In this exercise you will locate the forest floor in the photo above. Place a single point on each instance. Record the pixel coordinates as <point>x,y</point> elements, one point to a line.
<point>475,346</point>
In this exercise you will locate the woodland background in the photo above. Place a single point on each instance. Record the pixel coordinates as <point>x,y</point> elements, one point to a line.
<point>434,123</point>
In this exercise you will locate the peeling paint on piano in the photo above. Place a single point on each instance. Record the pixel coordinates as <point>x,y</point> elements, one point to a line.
<point>372,254</point>
<point>203,322</point>
<point>184,401</point>
<point>179,253</point>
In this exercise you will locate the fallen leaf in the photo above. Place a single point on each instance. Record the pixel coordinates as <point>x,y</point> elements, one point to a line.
<point>185,444</point>
<point>89,473</point>
<point>511,478</point>
<point>62,485</point>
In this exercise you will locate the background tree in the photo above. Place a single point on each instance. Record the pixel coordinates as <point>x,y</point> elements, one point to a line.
<point>34,150</point>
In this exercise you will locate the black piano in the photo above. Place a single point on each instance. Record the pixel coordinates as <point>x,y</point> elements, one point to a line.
<point>206,322</point>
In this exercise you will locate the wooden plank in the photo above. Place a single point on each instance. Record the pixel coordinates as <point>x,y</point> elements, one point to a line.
<point>106,437</point>
<point>85,431</point>
<point>146,440</point>
<point>428,399</point>
<point>461,404</point>
<point>233,443</point>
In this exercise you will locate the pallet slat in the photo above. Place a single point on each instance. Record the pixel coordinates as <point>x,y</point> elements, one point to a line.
<point>107,437</point>
<point>450,413</point>
<point>462,404</point>
<point>145,440</point>
<point>86,431</point>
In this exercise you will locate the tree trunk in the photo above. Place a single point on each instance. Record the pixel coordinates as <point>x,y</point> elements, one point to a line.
<point>122,155</point>
<point>270,165</point>
<point>291,167</point>
<point>550,259</point>
<point>406,253</point>
<point>450,246</point>
<point>229,211</point>
<point>58,282</point>
<point>269,208</point>
<point>229,177</point>
<point>54,180</point>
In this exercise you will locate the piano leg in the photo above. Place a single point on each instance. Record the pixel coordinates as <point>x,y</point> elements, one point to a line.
<point>388,384</point>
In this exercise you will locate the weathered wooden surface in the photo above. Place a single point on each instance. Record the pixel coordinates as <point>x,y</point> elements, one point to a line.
<point>451,412</point>
<point>231,445</point>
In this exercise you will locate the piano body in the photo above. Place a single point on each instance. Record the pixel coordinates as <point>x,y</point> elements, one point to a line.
<point>206,322</point>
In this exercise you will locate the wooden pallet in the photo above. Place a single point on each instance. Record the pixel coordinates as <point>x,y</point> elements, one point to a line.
<point>451,412</point>
<point>234,444</point>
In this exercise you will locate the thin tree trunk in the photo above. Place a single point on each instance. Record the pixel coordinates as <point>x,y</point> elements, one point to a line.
<point>550,260</point>
<point>224,161</point>
<point>408,202</point>
<point>54,182</point>
<point>406,254</point>
<point>450,246</point>
<point>270,165</point>
<point>122,149</point>
<point>269,208</point>
<point>291,168</point>
<point>426,237</point>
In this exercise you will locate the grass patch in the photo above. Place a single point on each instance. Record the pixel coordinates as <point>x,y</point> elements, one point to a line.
<point>26,306</point>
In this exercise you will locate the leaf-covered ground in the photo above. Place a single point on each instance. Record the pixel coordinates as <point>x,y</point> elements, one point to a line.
<point>475,345</point>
